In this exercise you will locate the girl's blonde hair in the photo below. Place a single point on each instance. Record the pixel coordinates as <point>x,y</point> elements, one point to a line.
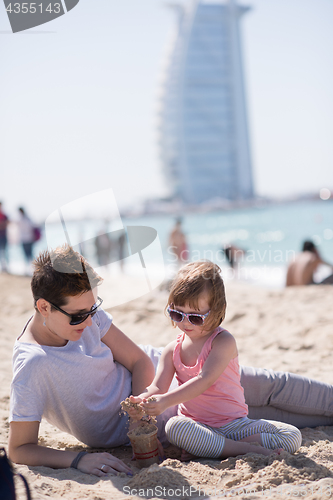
<point>197,278</point>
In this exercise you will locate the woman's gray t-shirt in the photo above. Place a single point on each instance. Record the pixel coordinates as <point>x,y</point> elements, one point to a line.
<point>78,387</point>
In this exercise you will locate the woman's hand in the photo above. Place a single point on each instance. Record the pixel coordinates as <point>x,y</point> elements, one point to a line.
<point>101,464</point>
<point>133,407</point>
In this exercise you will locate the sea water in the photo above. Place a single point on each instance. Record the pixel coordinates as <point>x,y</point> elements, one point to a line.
<point>271,235</point>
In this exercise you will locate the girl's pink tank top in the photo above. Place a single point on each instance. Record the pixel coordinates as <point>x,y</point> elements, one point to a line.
<point>223,401</point>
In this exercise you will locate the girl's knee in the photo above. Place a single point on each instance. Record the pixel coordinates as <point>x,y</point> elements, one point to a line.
<point>297,440</point>
<point>169,425</point>
<point>293,439</point>
<point>194,437</point>
<point>290,440</point>
<point>173,427</point>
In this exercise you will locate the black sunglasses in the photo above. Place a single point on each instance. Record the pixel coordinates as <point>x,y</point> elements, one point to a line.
<point>76,319</point>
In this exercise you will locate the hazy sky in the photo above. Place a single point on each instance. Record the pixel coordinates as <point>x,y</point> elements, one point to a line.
<point>78,100</point>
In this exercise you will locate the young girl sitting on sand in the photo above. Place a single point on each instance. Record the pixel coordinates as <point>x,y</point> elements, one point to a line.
<point>212,416</point>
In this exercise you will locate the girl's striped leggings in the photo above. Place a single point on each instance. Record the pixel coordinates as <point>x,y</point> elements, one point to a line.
<point>205,441</point>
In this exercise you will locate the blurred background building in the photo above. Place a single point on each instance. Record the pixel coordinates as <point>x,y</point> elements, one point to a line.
<point>203,131</point>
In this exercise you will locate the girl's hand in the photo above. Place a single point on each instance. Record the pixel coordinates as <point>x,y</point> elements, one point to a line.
<point>101,464</point>
<point>136,399</point>
<point>155,405</point>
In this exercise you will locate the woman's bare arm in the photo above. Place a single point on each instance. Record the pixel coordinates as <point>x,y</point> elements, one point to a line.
<point>126,352</point>
<point>23,448</point>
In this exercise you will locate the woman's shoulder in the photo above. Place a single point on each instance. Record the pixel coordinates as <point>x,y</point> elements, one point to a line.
<point>28,358</point>
<point>103,320</point>
<point>28,351</point>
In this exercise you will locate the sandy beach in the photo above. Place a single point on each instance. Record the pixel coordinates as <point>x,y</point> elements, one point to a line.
<point>288,330</point>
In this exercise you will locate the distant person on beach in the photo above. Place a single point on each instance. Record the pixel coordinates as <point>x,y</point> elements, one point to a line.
<point>212,418</point>
<point>73,366</point>
<point>121,249</point>
<point>301,270</point>
<point>103,245</point>
<point>233,254</point>
<point>3,240</point>
<point>178,244</point>
<point>26,235</point>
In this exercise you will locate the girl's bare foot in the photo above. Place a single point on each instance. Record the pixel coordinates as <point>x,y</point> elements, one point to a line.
<point>266,451</point>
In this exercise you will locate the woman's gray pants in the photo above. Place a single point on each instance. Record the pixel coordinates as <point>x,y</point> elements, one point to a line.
<point>287,397</point>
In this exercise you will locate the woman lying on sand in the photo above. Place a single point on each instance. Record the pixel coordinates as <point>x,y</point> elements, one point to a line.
<point>73,366</point>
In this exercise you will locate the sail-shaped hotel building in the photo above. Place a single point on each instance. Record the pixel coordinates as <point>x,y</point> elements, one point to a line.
<point>202,121</point>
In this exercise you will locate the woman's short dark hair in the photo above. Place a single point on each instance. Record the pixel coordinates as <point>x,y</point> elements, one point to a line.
<point>61,273</point>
